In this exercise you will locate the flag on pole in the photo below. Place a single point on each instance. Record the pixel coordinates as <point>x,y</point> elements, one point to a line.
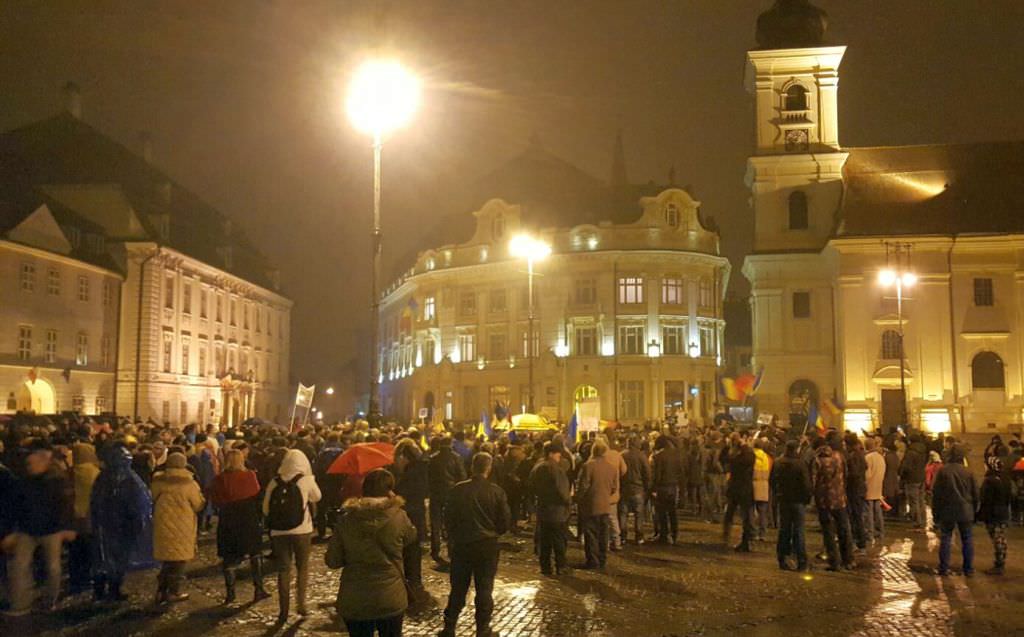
<point>573,427</point>
<point>814,418</point>
<point>485,424</point>
<point>304,396</point>
<point>729,389</point>
<point>757,381</point>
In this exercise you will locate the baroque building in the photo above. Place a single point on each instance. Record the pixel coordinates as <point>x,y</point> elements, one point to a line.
<point>144,298</point>
<point>628,310</point>
<point>829,219</point>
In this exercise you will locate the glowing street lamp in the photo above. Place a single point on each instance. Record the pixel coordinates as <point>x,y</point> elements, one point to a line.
<point>524,246</point>
<point>900,279</point>
<point>330,391</point>
<point>382,97</point>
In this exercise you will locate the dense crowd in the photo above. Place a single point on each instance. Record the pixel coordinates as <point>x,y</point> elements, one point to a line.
<point>95,499</point>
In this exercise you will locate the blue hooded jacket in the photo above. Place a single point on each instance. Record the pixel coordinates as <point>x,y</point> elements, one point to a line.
<point>122,516</point>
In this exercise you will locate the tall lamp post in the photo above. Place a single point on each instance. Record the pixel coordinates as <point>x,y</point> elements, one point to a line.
<point>900,278</point>
<point>526,247</point>
<point>382,96</point>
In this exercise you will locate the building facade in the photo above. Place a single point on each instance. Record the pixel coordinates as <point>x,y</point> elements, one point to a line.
<point>629,313</point>
<point>829,219</point>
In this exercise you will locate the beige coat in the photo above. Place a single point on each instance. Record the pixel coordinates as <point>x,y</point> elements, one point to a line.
<point>598,483</point>
<point>176,500</point>
<point>875,476</point>
<point>614,458</point>
<point>84,473</point>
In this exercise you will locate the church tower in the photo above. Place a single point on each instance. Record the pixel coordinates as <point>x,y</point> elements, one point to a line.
<point>795,181</point>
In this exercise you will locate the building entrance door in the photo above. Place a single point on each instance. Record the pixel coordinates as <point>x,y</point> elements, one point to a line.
<point>892,408</point>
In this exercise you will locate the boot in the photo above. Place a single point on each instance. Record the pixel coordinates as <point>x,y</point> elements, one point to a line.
<point>259,593</point>
<point>229,584</point>
<point>114,593</point>
<point>161,592</point>
<point>174,593</point>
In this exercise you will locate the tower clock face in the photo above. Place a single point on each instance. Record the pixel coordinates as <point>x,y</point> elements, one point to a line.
<point>796,139</point>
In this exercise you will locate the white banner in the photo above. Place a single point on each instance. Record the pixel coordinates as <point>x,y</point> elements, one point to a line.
<point>304,396</point>
<point>589,416</point>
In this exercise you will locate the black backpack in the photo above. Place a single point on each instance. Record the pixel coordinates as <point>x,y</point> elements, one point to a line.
<point>287,509</point>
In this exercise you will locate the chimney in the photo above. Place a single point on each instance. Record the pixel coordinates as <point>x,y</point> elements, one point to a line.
<point>73,100</point>
<point>146,146</point>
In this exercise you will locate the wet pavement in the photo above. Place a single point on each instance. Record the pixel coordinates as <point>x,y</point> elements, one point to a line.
<point>696,588</point>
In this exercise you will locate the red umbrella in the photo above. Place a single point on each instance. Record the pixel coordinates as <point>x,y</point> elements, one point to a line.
<point>363,458</point>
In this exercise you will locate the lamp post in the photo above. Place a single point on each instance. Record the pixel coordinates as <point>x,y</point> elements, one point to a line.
<point>382,96</point>
<point>899,278</point>
<point>526,247</point>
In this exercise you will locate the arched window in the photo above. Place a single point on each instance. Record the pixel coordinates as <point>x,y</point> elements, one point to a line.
<point>891,344</point>
<point>798,210</point>
<point>987,371</point>
<point>795,99</point>
<point>672,215</point>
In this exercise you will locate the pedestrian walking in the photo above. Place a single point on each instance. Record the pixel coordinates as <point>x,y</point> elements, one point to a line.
<point>791,483</point>
<point>368,544</point>
<point>550,484</point>
<point>235,494</point>
<point>954,502</point>
<point>829,483</point>
<point>445,470</point>
<point>739,491</point>
<point>476,515</point>
<point>994,510</point>
<point>287,508</point>
<point>596,487</point>
<point>176,501</point>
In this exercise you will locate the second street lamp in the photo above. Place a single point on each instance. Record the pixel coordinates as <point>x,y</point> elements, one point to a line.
<point>382,96</point>
<point>901,280</point>
<point>526,247</point>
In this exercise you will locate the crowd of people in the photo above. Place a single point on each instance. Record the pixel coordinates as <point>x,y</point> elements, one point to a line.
<point>106,497</point>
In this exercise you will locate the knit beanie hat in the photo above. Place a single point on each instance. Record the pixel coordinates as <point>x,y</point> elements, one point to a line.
<point>176,461</point>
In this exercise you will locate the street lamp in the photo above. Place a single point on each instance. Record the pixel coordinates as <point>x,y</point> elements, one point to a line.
<point>330,391</point>
<point>524,246</point>
<point>899,279</point>
<point>382,96</point>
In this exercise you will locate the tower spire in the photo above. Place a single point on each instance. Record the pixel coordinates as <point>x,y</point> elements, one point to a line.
<point>618,175</point>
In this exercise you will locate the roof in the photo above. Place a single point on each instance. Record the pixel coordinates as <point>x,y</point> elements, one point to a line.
<point>77,169</point>
<point>947,189</point>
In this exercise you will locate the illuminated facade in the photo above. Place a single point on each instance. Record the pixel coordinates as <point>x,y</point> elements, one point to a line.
<point>826,217</point>
<point>628,312</point>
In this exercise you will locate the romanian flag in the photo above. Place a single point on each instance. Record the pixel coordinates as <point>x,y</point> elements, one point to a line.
<point>757,381</point>
<point>834,406</point>
<point>729,388</point>
<point>814,418</point>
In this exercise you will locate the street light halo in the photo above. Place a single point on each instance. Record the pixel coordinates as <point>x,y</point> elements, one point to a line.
<point>886,277</point>
<point>909,279</point>
<point>526,247</point>
<point>383,95</point>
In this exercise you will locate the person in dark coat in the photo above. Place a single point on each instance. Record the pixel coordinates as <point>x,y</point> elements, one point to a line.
<point>476,515</point>
<point>739,491</point>
<point>829,483</point>
<point>596,489</point>
<point>994,510</point>
<point>550,484</point>
<point>912,471</point>
<point>791,483</point>
<point>121,512</point>
<point>954,502</point>
<point>236,495</point>
<point>445,470</point>
<point>516,463</point>
<point>856,488</point>
<point>329,483</point>
<point>891,482</point>
<point>205,469</point>
<point>666,475</point>
<point>636,484</point>
<point>413,486</point>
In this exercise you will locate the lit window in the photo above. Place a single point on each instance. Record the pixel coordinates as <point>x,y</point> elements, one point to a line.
<point>672,291</point>
<point>631,339</point>
<point>51,346</point>
<point>28,277</point>
<point>674,337</point>
<point>467,304</point>
<point>428,308</point>
<point>467,346</point>
<point>53,282</point>
<point>631,289</point>
<point>185,350</point>
<point>984,295</point>
<point>82,349</point>
<point>24,342</point>
<point>168,347</point>
<point>524,339</point>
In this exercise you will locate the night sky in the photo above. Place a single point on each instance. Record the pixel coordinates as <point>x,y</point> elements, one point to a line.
<point>244,101</point>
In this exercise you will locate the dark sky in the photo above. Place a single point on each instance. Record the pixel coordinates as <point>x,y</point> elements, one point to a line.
<point>244,103</point>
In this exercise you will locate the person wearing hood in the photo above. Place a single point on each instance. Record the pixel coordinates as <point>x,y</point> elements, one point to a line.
<point>932,468</point>
<point>994,510</point>
<point>912,473</point>
<point>235,494</point>
<point>121,512</point>
<point>829,484</point>
<point>368,545</point>
<point>176,501</point>
<point>206,466</point>
<point>330,484</point>
<point>84,469</point>
<point>954,502</point>
<point>739,491</point>
<point>290,519</point>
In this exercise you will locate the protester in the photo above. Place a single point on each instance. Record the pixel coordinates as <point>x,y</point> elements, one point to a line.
<point>762,492</point>
<point>994,510</point>
<point>636,484</point>
<point>84,470</point>
<point>235,494</point>
<point>476,515</point>
<point>329,483</point>
<point>176,501</point>
<point>739,492</point>
<point>912,475</point>
<point>550,484</point>
<point>368,545</point>
<point>829,483</point>
<point>445,469</point>
<point>856,489</point>
<point>792,486</point>
<point>287,508</point>
<point>666,473</point>
<point>954,502</point>
<point>874,477</point>
<point>613,457</point>
<point>596,487</point>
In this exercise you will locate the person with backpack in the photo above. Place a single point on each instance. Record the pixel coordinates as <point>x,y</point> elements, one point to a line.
<point>287,505</point>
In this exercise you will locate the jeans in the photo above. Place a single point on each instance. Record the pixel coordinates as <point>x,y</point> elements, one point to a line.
<point>666,521</point>
<point>748,526</point>
<point>997,531</point>
<point>874,520</point>
<point>387,627</point>
<point>915,498</point>
<point>835,525</point>
<point>855,508</point>
<point>437,506</point>
<point>946,541</point>
<point>20,568</point>
<point>554,539</point>
<point>595,539</point>
<point>615,537</point>
<point>631,504</point>
<point>760,513</point>
<point>714,484</point>
<point>791,533</point>
<point>80,553</point>
<point>476,562</point>
<point>418,516</point>
<point>289,548</point>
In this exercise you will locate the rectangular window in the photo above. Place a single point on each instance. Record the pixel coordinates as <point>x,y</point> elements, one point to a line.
<point>586,341</point>
<point>169,291</point>
<point>218,360</point>
<point>631,289</point>
<point>105,353</point>
<point>83,288</point>
<point>186,297</point>
<point>672,291</point>
<point>470,402</point>
<point>166,411</point>
<point>82,349</point>
<point>585,292</point>
<point>203,295</point>
<point>674,339</point>
<point>101,404</point>
<point>202,359</point>
<point>497,349</point>
<point>185,351</point>
<point>631,339</point>
<point>428,308</point>
<point>631,399</point>
<point>108,293</point>
<point>707,340</point>
<point>220,309</point>
<point>51,346</point>
<point>168,347</point>
<point>467,304</point>
<point>259,320</point>
<point>705,293</point>
<point>245,315</point>
<point>24,342</point>
<point>467,346</point>
<point>497,301</point>
<point>53,282</point>
<point>77,403</point>
<point>232,311</point>
<point>28,277</point>
<point>524,348</point>
<point>801,304</point>
<point>983,292</point>
<point>184,412</point>
<point>429,347</point>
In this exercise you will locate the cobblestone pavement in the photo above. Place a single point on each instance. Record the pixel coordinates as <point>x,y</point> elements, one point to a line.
<point>696,588</point>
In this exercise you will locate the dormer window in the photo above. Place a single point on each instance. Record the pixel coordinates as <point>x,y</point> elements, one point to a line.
<point>672,215</point>
<point>795,98</point>
<point>498,227</point>
<point>73,235</point>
